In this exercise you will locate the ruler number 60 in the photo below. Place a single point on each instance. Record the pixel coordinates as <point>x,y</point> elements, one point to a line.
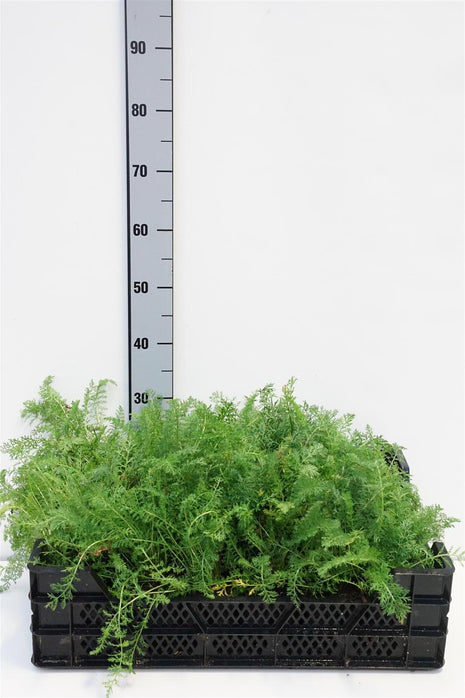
<point>140,229</point>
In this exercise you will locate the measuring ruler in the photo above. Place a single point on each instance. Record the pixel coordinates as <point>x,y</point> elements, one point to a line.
<point>149,143</point>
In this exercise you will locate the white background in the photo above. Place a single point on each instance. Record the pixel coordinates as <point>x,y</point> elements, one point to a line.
<point>318,233</point>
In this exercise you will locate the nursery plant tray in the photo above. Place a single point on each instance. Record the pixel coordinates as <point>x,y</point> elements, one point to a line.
<point>345,631</point>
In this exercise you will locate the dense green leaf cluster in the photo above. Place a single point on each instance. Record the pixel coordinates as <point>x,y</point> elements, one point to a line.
<point>268,497</point>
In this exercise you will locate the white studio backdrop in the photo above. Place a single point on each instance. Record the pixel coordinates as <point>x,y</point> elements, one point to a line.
<point>318,210</point>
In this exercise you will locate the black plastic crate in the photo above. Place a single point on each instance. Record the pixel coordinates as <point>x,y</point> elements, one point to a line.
<point>332,632</point>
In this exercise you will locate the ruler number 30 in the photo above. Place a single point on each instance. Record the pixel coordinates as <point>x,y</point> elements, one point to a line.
<point>141,398</point>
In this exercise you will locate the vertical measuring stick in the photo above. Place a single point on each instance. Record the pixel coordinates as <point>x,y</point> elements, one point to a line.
<point>149,139</point>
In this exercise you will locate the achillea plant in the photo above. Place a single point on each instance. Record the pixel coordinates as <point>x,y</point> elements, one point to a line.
<point>268,497</point>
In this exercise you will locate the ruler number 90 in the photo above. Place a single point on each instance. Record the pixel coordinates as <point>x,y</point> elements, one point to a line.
<point>138,47</point>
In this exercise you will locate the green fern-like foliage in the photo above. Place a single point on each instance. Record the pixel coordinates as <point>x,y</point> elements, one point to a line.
<point>269,497</point>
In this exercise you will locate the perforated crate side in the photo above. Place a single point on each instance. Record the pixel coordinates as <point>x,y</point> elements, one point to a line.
<point>83,643</point>
<point>195,631</point>
<point>310,650</point>
<point>377,650</point>
<point>172,649</point>
<point>88,612</point>
<point>319,615</point>
<point>372,619</point>
<point>240,649</point>
<point>216,615</point>
<point>176,615</point>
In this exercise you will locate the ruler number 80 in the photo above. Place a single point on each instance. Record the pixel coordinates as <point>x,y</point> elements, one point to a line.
<point>139,109</point>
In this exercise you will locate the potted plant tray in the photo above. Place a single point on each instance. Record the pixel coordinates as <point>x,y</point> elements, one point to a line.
<point>268,533</point>
<point>343,631</point>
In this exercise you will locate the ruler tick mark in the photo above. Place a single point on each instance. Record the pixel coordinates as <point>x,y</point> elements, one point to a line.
<point>165,343</point>
<point>163,48</point>
<point>164,230</point>
<point>164,287</point>
<point>166,259</point>
<point>166,201</point>
<point>167,315</point>
<point>164,110</point>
